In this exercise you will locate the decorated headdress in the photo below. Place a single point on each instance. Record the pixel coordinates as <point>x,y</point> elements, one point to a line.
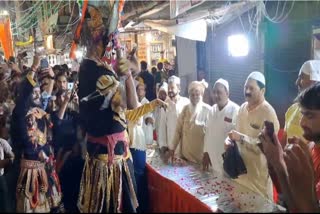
<point>37,112</point>
<point>99,20</point>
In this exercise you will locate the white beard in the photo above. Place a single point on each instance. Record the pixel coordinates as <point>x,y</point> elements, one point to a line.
<point>195,110</point>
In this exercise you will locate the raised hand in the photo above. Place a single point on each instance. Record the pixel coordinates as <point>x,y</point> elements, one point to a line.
<point>272,149</point>
<point>67,97</point>
<point>206,162</point>
<point>36,62</point>
<point>301,176</point>
<point>160,103</point>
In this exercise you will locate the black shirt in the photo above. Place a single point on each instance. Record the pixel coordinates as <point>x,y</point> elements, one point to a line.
<point>94,121</point>
<point>65,130</point>
<point>149,82</point>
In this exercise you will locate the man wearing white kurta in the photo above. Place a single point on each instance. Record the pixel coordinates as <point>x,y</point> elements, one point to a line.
<point>222,119</point>
<point>249,124</point>
<point>175,105</point>
<point>159,114</point>
<point>148,121</point>
<point>191,124</point>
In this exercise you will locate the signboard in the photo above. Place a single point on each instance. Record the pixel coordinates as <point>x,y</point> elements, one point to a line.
<point>142,53</point>
<point>316,41</point>
<point>155,49</point>
<point>178,7</point>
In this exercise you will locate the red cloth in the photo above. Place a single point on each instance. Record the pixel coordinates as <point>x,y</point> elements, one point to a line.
<point>315,154</point>
<point>155,136</point>
<point>110,142</point>
<point>6,37</point>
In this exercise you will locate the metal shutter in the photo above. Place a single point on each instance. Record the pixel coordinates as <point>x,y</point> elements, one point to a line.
<point>234,69</point>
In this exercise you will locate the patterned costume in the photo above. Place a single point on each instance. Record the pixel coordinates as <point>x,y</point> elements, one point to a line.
<point>108,183</point>
<point>38,186</point>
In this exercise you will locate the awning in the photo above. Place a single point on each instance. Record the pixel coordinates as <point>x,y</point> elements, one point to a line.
<point>193,30</point>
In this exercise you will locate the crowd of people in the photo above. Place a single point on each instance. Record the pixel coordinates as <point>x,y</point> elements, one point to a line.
<point>191,129</point>
<point>46,145</point>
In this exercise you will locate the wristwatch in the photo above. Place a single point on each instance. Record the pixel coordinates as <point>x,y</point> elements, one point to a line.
<point>241,138</point>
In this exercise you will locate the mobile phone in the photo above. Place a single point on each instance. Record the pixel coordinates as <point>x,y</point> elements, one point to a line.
<point>133,51</point>
<point>270,129</point>
<point>70,85</point>
<point>44,64</point>
<point>24,54</point>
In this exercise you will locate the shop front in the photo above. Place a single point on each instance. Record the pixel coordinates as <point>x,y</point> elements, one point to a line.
<point>153,46</point>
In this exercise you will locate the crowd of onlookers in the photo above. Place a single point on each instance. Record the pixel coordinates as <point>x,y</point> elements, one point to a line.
<point>55,91</point>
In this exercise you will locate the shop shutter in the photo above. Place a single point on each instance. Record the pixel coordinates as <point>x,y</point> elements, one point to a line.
<point>234,69</point>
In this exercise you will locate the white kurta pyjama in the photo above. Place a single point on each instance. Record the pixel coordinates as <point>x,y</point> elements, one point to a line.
<point>220,123</point>
<point>250,123</point>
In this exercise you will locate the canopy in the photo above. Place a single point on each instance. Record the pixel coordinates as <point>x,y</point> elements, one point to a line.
<point>193,30</point>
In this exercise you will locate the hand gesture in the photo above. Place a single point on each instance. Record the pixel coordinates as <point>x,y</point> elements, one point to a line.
<point>133,62</point>
<point>301,176</point>
<point>47,72</point>
<point>67,97</point>
<point>43,156</point>
<point>75,97</point>
<point>160,103</point>
<point>234,135</point>
<point>36,62</point>
<point>206,161</point>
<point>227,143</point>
<point>273,151</point>
<point>15,67</point>
<point>123,66</point>
<point>38,113</point>
<point>170,156</point>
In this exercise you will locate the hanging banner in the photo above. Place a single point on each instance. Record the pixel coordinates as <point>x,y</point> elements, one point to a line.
<point>6,37</point>
<point>194,30</point>
<point>178,7</point>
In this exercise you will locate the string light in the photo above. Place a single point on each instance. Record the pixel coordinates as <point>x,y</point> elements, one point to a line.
<point>28,20</point>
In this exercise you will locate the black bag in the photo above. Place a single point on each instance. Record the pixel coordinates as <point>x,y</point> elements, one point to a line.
<point>233,164</point>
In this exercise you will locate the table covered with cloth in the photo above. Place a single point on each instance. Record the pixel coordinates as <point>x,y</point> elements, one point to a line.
<point>185,187</point>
